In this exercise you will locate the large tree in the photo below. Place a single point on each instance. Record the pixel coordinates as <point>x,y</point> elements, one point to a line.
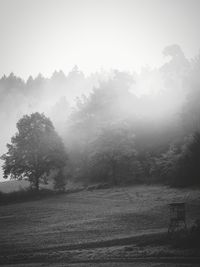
<point>35,150</point>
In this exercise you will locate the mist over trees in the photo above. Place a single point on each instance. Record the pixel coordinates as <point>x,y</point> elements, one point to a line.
<point>118,127</point>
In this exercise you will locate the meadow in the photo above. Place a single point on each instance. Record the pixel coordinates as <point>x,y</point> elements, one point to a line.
<point>119,222</point>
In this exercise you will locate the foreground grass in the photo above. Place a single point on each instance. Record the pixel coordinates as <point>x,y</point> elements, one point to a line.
<point>63,226</point>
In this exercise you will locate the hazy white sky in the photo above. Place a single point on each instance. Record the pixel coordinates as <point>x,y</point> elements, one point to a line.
<point>44,35</point>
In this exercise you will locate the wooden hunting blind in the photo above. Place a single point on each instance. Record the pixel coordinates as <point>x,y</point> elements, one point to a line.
<point>177,216</point>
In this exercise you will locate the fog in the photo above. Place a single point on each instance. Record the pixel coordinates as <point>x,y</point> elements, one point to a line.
<point>101,68</point>
<point>153,97</point>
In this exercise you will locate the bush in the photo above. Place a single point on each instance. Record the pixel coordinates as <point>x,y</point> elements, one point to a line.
<point>180,166</point>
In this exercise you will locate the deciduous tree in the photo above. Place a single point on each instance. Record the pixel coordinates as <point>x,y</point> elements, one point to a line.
<point>35,150</point>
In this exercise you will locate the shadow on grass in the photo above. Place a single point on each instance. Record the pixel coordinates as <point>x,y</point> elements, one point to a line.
<point>179,240</point>
<point>189,240</point>
<point>24,195</point>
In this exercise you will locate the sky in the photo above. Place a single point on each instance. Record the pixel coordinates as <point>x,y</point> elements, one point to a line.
<point>47,35</point>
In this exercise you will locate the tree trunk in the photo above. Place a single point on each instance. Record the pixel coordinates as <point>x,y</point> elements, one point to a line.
<point>37,184</point>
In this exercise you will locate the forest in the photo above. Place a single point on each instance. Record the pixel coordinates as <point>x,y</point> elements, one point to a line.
<point>117,127</point>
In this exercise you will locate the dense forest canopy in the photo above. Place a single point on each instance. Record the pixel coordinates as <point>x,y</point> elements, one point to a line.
<point>117,127</point>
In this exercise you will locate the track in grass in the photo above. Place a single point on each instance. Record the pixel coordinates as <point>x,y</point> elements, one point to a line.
<point>87,217</point>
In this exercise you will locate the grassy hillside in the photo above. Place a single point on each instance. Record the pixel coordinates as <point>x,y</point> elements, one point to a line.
<point>62,221</point>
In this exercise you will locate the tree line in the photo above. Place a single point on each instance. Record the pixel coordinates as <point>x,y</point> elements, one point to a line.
<point>114,135</point>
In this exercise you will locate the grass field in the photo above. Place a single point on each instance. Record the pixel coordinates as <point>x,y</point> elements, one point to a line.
<point>87,225</point>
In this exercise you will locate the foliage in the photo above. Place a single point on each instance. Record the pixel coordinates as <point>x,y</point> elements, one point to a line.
<point>166,165</point>
<point>190,161</point>
<point>113,153</point>
<point>180,166</point>
<point>35,150</point>
<point>116,133</point>
<point>60,180</point>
